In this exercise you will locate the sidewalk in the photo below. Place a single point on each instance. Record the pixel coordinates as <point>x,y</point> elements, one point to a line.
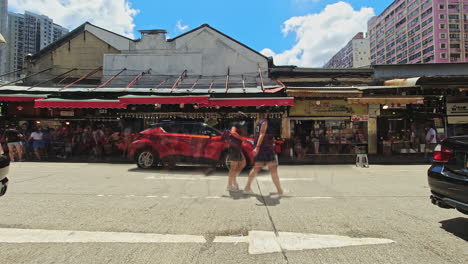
<point>351,159</point>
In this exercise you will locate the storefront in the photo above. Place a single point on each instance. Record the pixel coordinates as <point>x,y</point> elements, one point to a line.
<point>457,116</point>
<point>320,127</point>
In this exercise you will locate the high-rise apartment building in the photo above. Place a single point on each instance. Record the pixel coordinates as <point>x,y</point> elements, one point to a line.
<point>354,55</point>
<point>28,33</point>
<point>420,31</point>
<point>3,31</point>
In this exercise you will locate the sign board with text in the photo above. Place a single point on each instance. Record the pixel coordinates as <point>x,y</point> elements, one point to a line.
<point>326,108</point>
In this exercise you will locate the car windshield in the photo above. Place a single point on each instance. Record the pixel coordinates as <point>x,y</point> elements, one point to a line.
<point>294,131</point>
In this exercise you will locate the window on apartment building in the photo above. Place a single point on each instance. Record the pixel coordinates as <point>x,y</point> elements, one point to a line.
<point>455,56</point>
<point>454,26</point>
<point>441,16</point>
<point>443,55</point>
<point>454,16</point>
<point>443,35</point>
<point>455,46</point>
<point>443,45</point>
<point>441,26</point>
<point>441,7</point>
<point>428,59</point>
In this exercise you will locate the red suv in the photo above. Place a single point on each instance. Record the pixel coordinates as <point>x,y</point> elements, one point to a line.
<point>169,143</point>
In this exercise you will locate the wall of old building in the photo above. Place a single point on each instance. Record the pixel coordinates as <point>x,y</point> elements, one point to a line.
<point>201,52</point>
<point>84,52</point>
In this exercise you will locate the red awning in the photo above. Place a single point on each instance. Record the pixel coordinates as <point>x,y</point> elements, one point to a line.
<point>21,97</point>
<point>279,101</point>
<point>92,103</point>
<point>133,99</point>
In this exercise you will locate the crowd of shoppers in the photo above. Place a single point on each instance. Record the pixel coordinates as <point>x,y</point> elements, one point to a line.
<point>40,142</point>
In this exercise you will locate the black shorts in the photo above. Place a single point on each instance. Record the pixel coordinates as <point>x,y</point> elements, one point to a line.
<point>265,157</point>
<point>235,154</point>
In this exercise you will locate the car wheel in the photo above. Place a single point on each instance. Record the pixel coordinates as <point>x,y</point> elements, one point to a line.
<point>225,162</point>
<point>145,158</point>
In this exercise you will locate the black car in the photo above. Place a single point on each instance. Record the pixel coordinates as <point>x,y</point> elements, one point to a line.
<point>448,175</point>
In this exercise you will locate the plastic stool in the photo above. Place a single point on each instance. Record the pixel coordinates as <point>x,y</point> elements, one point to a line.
<point>362,161</point>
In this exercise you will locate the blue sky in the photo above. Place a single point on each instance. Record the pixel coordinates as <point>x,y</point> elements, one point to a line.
<point>294,32</point>
<point>256,23</point>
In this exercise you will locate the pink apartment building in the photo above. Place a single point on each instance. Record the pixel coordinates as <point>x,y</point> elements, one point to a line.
<point>420,31</point>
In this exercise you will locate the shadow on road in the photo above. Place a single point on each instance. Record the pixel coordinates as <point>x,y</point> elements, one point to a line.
<point>457,226</point>
<point>270,200</point>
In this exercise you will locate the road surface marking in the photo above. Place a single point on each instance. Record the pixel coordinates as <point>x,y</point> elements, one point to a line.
<point>263,242</point>
<point>63,236</point>
<point>213,197</point>
<point>260,242</point>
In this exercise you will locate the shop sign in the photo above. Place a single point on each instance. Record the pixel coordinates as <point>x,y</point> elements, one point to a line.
<point>397,106</point>
<point>359,118</point>
<point>457,108</point>
<point>326,108</point>
<point>454,120</point>
<point>67,113</point>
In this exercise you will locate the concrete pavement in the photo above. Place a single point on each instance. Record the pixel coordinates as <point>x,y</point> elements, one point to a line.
<point>340,201</point>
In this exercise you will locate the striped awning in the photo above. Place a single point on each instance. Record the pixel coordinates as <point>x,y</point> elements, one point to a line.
<point>137,99</point>
<point>88,103</point>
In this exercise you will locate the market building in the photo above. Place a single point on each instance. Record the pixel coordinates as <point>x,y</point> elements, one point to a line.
<point>381,111</point>
<point>93,78</point>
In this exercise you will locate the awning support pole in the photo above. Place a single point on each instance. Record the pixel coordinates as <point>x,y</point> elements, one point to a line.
<point>195,83</point>
<point>139,76</point>
<point>227,80</point>
<point>211,86</point>
<point>243,83</point>
<point>161,83</point>
<point>261,78</point>
<point>8,73</point>
<point>179,80</point>
<point>83,77</point>
<point>24,78</point>
<point>111,79</point>
<point>41,83</point>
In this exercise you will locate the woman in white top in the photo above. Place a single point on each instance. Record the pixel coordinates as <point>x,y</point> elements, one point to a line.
<point>38,143</point>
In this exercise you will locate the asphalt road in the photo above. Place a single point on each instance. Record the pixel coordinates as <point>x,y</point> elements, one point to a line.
<point>108,213</point>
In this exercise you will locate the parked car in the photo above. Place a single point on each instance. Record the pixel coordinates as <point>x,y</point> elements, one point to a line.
<point>4,168</point>
<point>448,175</point>
<point>174,142</point>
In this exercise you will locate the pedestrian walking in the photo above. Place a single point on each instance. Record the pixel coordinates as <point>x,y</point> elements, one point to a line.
<point>431,139</point>
<point>14,141</point>
<point>38,144</point>
<point>264,155</point>
<point>235,154</point>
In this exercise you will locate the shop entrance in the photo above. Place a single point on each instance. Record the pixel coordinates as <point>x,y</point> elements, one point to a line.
<point>332,136</point>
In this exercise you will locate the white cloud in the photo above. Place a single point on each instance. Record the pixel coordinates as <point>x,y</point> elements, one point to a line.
<point>181,27</point>
<point>319,36</point>
<point>114,15</point>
